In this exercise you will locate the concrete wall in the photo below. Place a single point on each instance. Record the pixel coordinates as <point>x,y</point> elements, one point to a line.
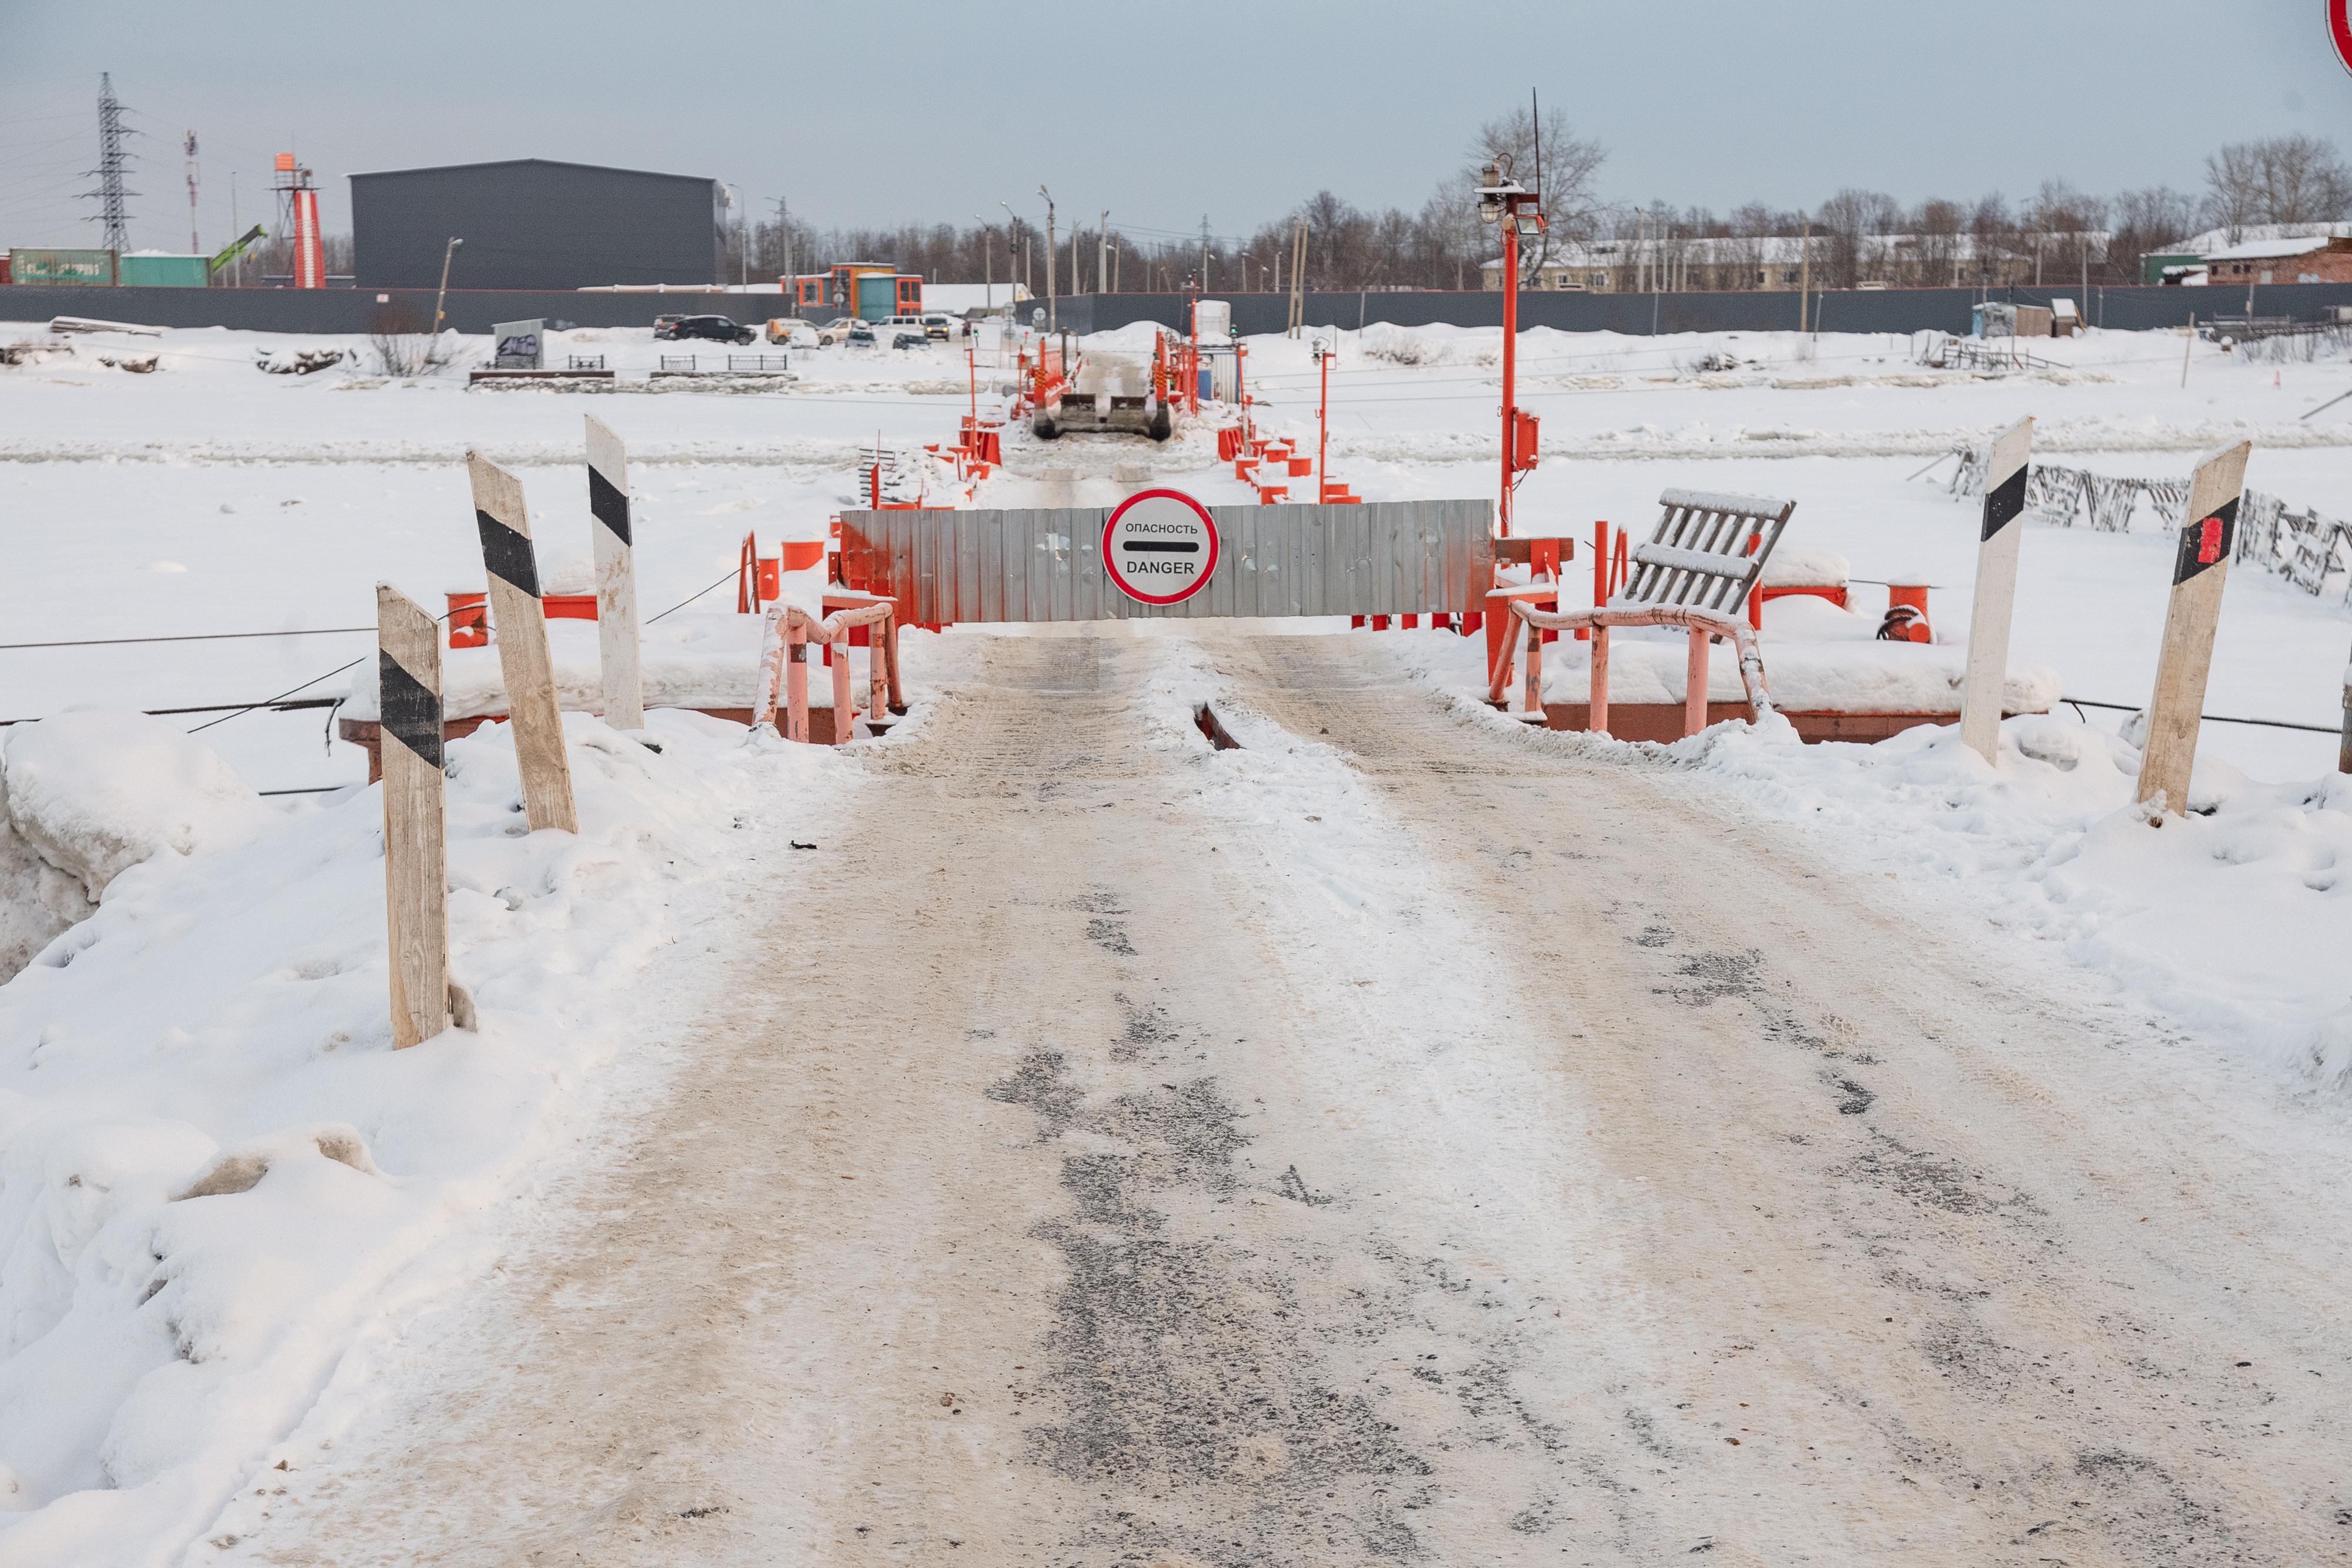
<point>475,311</point>
<point>531,223</point>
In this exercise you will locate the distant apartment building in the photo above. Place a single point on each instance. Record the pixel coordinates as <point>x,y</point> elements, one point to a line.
<point>1777,261</point>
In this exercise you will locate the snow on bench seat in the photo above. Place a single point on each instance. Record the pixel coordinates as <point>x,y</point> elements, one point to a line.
<point>1809,677</point>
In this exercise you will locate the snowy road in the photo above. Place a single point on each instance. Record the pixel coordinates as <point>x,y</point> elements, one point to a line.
<point>1401,1138</point>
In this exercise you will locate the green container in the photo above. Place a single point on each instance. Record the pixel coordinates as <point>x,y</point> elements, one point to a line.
<point>166,271</point>
<point>55,267</point>
<point>877,296</point>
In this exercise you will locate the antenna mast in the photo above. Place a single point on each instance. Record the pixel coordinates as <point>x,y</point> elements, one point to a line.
<point>194,248</point>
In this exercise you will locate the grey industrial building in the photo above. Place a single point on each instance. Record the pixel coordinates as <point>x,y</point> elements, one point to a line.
<point>532,222</point>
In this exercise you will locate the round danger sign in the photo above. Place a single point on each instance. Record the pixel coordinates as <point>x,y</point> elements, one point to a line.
<point>1160,546</point>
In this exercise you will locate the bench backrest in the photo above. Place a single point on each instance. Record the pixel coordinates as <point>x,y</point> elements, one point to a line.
<point>1699,557</point>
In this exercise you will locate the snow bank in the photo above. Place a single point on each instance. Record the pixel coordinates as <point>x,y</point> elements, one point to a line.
<point>2235,918</point>
<point>95,793</point>
<point>1805,677</point>
<point>214,1170</point>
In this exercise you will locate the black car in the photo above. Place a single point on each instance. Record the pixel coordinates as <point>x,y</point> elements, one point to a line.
<point>715,328</point>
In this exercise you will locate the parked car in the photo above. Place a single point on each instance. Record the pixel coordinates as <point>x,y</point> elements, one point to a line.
<point>835,330</point>
<point>860,334</point>
<point>903,338</point>
<point>666,327</point>
<point>785,329</point>
<point>934,326</point>
<point>939,326</point>
<point>715,328</point>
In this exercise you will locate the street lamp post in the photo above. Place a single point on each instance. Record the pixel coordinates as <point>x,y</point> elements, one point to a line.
<point>1503,200</point>
<point>1052,322</point>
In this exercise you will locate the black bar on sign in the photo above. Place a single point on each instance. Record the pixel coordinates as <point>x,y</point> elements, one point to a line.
<point>1165,547</point>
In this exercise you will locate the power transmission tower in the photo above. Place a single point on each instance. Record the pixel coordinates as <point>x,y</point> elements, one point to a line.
<point>111,163</point>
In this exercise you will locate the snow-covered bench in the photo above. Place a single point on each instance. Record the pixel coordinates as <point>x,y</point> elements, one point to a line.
<point>1697,571</point>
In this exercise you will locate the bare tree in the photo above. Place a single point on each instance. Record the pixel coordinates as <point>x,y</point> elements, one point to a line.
<point>1569,164</point>
<point>1850,224</point>
<point>2154,219</point>
<point>2279,180</point>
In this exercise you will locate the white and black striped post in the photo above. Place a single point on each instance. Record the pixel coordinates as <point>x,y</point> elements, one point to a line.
<point>2344,749</point>
<point>415,872</point>
<point>520,623</point>
<point>2200,566</point>
<point>616,579</point>
<point>1987,681</point>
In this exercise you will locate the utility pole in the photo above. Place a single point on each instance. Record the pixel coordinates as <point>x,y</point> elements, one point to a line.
<point>1204,253</point>
<point>1804,273</point>
<point>193,247</point>
<point>1102,254</point>
<point>1052,322</point>
<point>784,222</point>
<point>112,160</point>
<point>987,262</point>
<point>446,252</point>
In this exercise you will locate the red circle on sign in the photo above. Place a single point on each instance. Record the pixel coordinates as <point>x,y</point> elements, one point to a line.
<point>1111,528</point>
<point>2339,29</point>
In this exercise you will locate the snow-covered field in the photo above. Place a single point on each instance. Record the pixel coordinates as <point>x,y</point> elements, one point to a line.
<point>220,1016</point>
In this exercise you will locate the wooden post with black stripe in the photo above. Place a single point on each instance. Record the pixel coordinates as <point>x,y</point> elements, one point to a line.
<point>2200,566</point>
<point>520,623</point>
<point>616,579</point>
<point>415,869</point>
<point>1986,682</point>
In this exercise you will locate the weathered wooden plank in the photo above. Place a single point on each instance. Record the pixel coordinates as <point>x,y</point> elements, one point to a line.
<point>2201,568</point>
<point>1999,537</point>
<point>521,626</point>
<point>415,859</point>
<point>611,539</point>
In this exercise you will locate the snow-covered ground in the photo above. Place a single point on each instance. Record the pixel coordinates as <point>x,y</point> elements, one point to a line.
<point>219,1019</point>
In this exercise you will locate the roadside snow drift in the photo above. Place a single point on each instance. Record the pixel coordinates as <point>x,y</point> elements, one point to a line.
<point>212,1164</point>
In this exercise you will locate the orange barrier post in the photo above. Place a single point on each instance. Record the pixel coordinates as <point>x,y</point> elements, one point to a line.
<point>1535,669</point>
<point>1695,684</point>
<point>845,714</point>
<point>796,680</point>
<point>1598,720</point>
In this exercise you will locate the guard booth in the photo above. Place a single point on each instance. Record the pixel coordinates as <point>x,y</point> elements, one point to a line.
<point>871,290</point>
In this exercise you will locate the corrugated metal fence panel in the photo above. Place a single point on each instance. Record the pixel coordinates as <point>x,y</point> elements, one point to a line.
<point>1381,557</point>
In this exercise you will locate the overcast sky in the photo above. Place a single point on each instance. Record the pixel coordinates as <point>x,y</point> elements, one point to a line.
<point>1161,116</point>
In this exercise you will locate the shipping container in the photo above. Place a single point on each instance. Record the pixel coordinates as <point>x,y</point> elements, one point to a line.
<point>155,269</point>
<point>56,267</point>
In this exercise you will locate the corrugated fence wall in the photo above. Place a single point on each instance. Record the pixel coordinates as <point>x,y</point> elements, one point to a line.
<point>1385,557</point>
<point>358,310</point>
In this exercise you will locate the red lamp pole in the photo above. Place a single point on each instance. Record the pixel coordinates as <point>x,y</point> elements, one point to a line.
<point>1323,429</point>
<point>1510,356</point>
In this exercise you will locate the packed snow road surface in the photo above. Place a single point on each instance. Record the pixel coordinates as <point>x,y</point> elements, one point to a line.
<point>1400,1139</point>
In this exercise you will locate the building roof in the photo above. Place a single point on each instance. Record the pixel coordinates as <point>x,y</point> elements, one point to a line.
<point>2267,249</point>
<point>519,163</point>
<point>2247,234</point>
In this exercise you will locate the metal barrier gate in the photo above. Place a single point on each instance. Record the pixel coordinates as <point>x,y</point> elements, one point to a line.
<point>1380,557</point>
